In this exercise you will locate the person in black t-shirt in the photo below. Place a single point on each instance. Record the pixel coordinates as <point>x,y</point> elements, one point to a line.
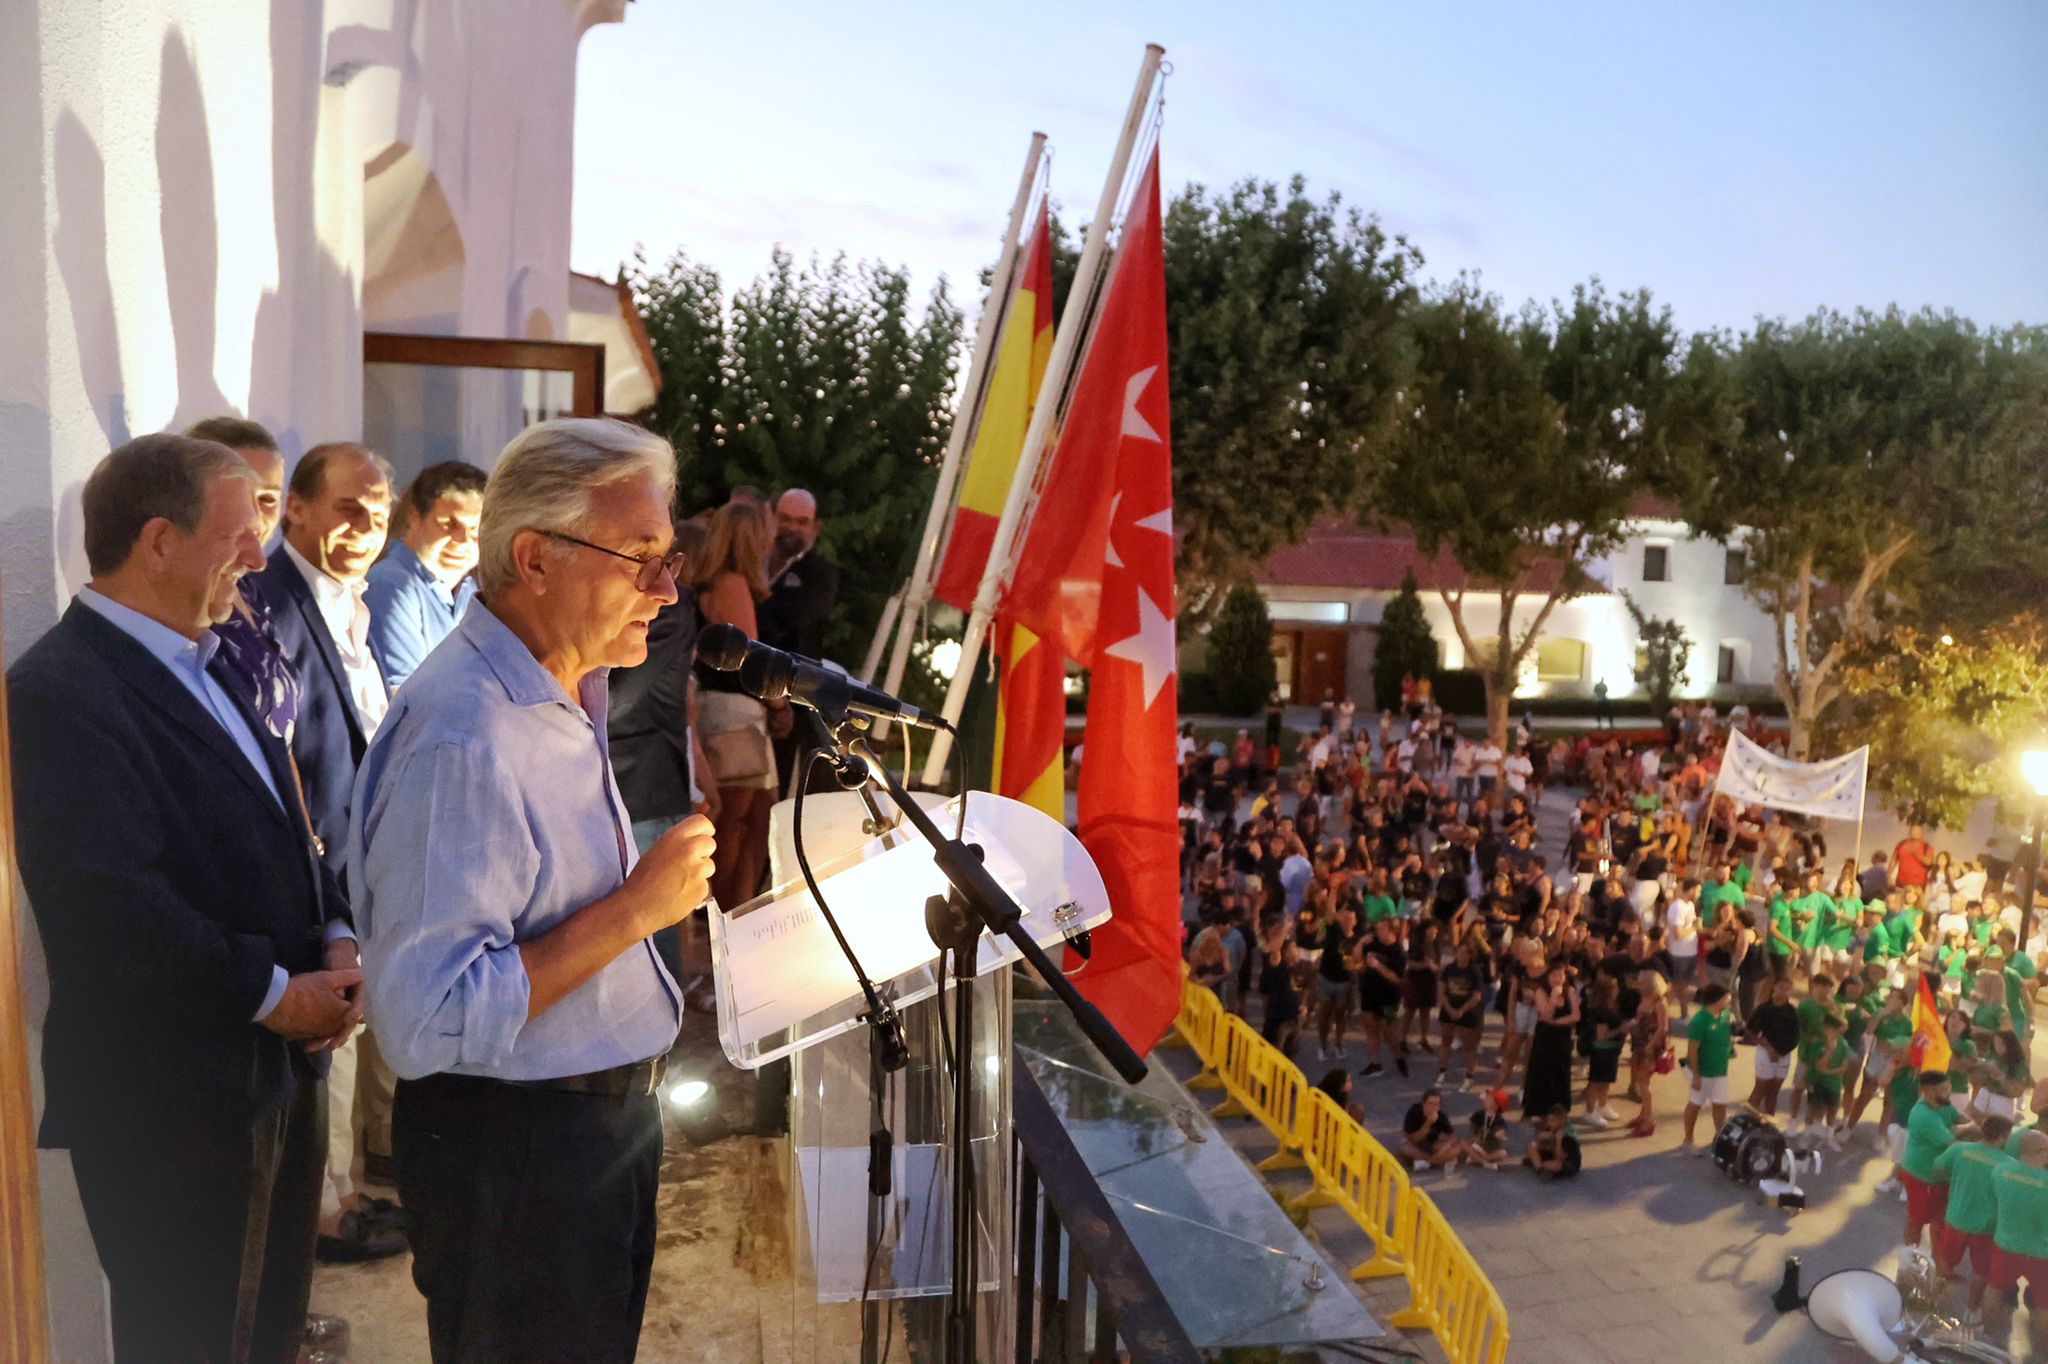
<point>1774,1027</point>
<point>1554,1154</point>
<point>1336,987</point>
<point>1460,993</point>
<point>1383,964</point>
<point>1428,1141</point>
<point>1278,956</point>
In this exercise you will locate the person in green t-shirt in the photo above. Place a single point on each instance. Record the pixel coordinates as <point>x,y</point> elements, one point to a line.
<point>1814,1011</point>
<point>1904,926</point>
<point>1891,1034</point>
<point>1826,1076</point>
<point>2019,1239</point>
<point>1380,905</point>
<point>1711,1044</point>
<point>1933,1124</point>
<point>1782,938</point>
<point>1742,877</point>
<point>2020,984</point>
<point>1877,938</point>
<point>1971,1213</point>
<point>1861,1011</point>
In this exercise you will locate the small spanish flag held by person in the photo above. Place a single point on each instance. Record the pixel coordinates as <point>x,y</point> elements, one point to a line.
<point>1930,1049</point>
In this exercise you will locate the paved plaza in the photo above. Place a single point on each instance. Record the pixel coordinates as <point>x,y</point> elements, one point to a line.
<point>1648,1254</point>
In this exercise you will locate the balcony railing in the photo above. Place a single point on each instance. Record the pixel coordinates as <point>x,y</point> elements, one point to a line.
<point>1082,1291</point>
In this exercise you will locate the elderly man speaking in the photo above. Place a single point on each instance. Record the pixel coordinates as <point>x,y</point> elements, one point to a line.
<point>505,922</point>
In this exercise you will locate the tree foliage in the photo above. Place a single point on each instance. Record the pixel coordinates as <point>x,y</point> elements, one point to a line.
<point>1945,715</point>
<point>1241,666</point>
<point>1664,651</point>
<point>821,378</point>
<point>1406,646</point>
<point>1858,450</point>
<point>1286,330</point>
<point>1523,443</point>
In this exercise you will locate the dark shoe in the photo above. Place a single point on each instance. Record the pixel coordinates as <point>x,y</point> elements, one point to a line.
<point>385,1213</point>
<point>361,1237</point>
<point>1401,1064</point>
<point>381,1169</point>
<point>1371,1069</point>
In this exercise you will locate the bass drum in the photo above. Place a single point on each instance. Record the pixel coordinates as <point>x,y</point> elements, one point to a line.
<point>1749,1147</point>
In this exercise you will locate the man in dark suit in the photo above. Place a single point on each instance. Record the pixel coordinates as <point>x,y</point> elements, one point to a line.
<point>201,961</point>
<point>648,732</point>
<point>803,589</point>
<point>337,510</point>
<point>803,585</point>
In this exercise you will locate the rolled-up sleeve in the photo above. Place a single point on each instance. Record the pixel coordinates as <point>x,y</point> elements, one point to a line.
<point>448,862</point>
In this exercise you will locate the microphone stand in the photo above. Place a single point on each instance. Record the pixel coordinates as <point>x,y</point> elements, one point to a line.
<point>956,921</point>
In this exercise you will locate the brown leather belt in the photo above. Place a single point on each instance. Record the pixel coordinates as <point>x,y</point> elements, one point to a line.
<point>620,1082</point>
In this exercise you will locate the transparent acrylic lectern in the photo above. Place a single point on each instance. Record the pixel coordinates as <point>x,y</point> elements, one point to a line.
<point>874,1275</point>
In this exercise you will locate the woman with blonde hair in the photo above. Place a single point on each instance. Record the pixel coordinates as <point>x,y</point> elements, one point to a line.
<point>729,577</point>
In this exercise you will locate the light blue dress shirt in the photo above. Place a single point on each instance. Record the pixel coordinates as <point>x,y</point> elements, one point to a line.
<point>187,658</point>
<point>411,611</point>
<point>485,814</point>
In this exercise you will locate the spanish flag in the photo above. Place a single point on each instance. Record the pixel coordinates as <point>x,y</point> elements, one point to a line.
<point>1031,719</point>
<point>1930,1049</point>
<point>1022,353</point>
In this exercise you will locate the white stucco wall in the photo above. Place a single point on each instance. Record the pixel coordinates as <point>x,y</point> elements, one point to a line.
<point>182,234</point>
<point>1694,594</point>
<point>1713,613</point>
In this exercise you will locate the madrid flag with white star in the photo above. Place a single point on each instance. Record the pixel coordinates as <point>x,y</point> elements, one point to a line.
<point>1094,576</point>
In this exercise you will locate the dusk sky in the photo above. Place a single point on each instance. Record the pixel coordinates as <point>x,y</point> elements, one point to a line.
<point>1737,158</point>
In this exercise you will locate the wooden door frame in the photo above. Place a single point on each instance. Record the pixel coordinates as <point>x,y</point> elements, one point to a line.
<point>584,360</point>
<point>24,1300</point>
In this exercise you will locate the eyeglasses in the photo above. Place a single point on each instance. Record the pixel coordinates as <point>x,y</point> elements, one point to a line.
<point>652,566</point>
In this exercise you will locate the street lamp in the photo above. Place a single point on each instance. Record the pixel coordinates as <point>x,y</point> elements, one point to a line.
<point>2034,766</point>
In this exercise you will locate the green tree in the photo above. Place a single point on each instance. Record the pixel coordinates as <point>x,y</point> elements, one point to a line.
<point>1662,654</point>
<point>1945,716</point>
<point>1406,646</point>
<point>1857,448</point>
<point>1286,322</point>
<point>1523,443</point>
<point>821,378</point>
<point>1241,666</point>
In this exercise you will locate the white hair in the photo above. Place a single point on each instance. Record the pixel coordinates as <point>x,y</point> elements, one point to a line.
<point>544,479</point>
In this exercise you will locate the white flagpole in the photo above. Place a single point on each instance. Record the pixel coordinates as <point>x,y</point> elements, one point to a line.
<point>882,629</point>
<point>1074,321</point>
<point>917,592</point>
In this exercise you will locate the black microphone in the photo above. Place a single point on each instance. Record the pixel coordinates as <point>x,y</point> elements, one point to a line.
<point>771,674</point>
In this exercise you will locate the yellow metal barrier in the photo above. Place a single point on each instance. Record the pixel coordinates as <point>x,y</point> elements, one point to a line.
<point>1357,1174</point>
<point>1448,1295</point>
<point>1200,1021</point>
<point>1261,1083</point>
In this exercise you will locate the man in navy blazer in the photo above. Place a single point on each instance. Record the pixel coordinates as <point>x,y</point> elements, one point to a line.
<point>201,960</point>
<point>337,511</point>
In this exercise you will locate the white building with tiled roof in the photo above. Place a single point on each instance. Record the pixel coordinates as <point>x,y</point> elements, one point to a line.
<point>1326,596</point>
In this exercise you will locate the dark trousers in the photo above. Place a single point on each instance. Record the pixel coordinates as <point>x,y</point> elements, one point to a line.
<point>532,1218</point>
<point>205,1231</point>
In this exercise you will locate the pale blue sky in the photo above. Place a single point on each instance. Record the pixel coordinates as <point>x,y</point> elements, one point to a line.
<point>1737,158</point>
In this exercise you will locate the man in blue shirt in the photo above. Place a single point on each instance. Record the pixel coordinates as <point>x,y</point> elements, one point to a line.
<point>506,921</point>
<point>422,585</point>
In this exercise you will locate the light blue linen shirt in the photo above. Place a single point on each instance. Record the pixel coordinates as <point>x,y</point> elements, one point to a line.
<point>411,611</point>
<point>187,658</point>
<point>485,814</point>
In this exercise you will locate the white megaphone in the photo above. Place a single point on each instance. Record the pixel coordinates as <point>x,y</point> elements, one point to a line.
<point>1859,1305</point>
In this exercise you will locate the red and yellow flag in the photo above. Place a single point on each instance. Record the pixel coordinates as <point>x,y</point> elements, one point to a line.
<point>1094,581</point>
<point>1022,353</point>
<point>1930,1049</point>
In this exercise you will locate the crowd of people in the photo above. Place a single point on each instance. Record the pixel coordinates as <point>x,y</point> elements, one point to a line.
<point>1385,904</point>
<point>316,752</point>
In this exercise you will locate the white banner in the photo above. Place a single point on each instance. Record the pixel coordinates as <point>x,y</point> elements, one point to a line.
<point>1754,775</point>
